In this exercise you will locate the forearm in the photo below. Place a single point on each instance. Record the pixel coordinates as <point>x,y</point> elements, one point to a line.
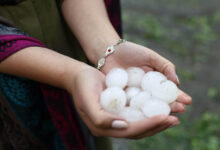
<point>42,65</point>
<point>90,23</point>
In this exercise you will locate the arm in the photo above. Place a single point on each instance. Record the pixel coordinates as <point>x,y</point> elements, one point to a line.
<point>90,23</point>
<point>21,55</point>
<point>46,66</point>
<point>43,65</point>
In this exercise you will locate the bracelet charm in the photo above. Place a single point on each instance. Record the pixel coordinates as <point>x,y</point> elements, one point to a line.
<point>109,50</point>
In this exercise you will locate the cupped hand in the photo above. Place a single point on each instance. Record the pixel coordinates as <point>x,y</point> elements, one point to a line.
<point>129,54</point>
<point>86,91</point>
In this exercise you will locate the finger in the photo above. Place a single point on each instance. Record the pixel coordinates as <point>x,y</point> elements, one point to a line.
<point>177,107</point>
<point>152,133</point>
<point>139,127</point>
<point>184,98</point>
<point>88,101</point>
<point>158,130</point>
<point>99,117</point>
<point>172,121</point>
<point>164,66</point>
<point>134,129</point>
<point>98,130</point>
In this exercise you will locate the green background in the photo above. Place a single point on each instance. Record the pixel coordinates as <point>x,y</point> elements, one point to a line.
<point>188,34</point>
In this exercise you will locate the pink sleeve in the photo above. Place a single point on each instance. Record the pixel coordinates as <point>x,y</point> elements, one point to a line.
<point>10,44</point>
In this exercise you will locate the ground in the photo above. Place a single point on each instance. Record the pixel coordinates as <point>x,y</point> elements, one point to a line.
<point>188,34</point>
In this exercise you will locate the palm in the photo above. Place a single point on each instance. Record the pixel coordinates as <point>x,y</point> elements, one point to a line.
<point>87,89</point>
<point>89,85</point>
<point>129,54</point>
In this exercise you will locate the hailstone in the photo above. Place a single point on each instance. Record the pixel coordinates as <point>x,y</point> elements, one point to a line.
<point>113,99</point>
<point>139,100</point>
<point>135,76</point>
<point>166,91</point>
<point>147,95</point>
<point>155,107</point>
<point>117,77</point>
<point>131,92</point>
<point>131,114</point>
<point>151,79</point>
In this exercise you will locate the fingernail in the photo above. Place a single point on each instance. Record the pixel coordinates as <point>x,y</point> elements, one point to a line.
<point>119,124</point>
<point>188,98</point>
<point>183,108</point>
<point>175,124</point>
<point>177,79</point>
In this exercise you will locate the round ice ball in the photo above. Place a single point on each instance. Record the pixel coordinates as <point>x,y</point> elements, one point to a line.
<point>131,114</point>
<point>139,100</point>
<point>166,91</point>
<point>151,79</point>
<point>116,77</point>
<point>131,92</point>
<point>113,99</point>
<point>155,107</point>
<point>135,76</point>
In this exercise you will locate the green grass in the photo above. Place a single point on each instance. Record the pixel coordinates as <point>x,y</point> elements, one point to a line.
<point>191,38</point>
<point>214,93</point>
<point>186,74</point>
<point>202,134</point>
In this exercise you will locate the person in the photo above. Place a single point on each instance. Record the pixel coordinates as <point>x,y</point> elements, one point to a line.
<point>43,70</point>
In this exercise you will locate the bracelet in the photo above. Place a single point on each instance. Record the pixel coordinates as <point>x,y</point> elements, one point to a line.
<point>109,50</point>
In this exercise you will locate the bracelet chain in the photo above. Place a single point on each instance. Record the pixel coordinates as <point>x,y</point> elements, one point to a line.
<point>109,50</point>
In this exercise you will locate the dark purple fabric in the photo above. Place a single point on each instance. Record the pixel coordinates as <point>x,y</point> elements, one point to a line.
<point>58,102</point>
<point>114,12</point>
<point>10,44</point>
<point>64,117</point>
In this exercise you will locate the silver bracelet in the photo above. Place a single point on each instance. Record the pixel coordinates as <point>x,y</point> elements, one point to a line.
<point>109,50</point>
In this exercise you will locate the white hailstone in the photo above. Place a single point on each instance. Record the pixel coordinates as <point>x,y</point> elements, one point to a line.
<point>139,100</point>
<point>131,114</point>
<point>116,77</point>
<point>131,92</point>
<point>151,79</point>
<point>166,91</point>
<point>135,76</point>
<point>155,107</point>
<point>113,99</point>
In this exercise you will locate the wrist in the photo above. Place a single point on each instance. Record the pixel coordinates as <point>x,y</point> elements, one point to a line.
<point>98,48</point>
<point>72,71</point>
<point>109,50</point>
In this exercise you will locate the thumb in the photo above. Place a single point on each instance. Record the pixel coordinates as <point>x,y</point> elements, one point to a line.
<point>164,66</point>
<point>109,120</point>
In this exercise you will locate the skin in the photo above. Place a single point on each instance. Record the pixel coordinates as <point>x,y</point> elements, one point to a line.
<point>89,22</point>
<point>83,17</point>
<point>43,65</point>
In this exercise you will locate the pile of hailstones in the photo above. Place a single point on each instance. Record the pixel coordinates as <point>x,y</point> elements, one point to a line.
<point>134,94</point>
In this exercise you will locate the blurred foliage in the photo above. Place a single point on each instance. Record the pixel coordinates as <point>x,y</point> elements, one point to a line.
<point>188,36</point>
<point>216,18</point>
<point>185,74</point>
<point>176,47</point>
<point>202,134</point>
<point>150,25</point>
<point>153,29</point>
<point>214,93</point>
<point>201,27</point>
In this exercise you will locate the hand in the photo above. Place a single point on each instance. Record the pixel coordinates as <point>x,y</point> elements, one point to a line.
<point>88,85</point>
<point>129,54</point>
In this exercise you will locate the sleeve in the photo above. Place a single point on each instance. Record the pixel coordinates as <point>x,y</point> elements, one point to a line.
<point>13,40</point>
